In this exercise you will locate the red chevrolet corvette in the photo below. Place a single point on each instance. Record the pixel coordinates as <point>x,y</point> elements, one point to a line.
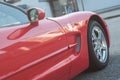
<point>36,48</point>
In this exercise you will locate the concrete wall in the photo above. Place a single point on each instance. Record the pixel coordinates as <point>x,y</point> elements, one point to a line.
<point>93,5</point>
<point>88,5</point>
<point>80,5</point>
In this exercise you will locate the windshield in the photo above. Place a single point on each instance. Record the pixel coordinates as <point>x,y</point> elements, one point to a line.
<point>11,16</point>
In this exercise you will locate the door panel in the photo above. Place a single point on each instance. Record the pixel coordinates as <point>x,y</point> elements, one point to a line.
<point>34,52</point>
<point>77,42</point>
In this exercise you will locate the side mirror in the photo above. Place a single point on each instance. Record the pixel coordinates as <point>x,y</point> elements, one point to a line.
<point>35,15</point>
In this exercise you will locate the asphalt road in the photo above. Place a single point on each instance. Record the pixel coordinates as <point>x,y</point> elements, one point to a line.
<point>112,71</point>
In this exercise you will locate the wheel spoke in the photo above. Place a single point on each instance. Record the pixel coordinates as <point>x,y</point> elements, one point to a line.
<point>103,47</point>
<point>99,44</point>
<point>99,54</point>
<point>94,35</point>
<point>95,47</point>
<point>99,35</point>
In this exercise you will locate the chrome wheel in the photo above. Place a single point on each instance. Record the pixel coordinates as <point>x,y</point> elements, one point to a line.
<point>99,44</point>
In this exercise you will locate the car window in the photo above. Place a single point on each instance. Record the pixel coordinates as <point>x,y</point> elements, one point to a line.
<point>11,16</point>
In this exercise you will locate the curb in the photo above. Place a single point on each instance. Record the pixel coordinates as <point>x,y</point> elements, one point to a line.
<point>112,17</point>
<point>105,10</point>
<point>108,13</point>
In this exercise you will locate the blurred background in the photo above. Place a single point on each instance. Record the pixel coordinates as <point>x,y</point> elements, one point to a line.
<point>54,8</point>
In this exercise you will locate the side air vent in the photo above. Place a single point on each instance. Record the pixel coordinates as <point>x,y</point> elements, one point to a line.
<point>78,40</point>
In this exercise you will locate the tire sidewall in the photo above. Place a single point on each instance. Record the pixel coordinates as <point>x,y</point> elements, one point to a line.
<point>94,62</point>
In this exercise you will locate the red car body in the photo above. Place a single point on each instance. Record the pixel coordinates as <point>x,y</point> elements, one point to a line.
<point>46,50</point>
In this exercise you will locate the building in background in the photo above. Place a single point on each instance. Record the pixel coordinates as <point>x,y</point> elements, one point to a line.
<point>95,5</point>
<point>52,8</point>
<point>43,4</point>
<point>61,7</point>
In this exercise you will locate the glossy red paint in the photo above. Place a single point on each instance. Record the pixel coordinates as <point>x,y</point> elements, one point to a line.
<point>79,25</point>
<point>28,48</point>
<point>47,50</point>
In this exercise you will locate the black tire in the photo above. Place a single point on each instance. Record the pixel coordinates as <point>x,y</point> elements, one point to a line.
<point>98,57</point>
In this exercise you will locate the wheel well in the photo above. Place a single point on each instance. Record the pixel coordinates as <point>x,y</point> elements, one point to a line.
<point>103,24</point>
<point>97,18</point>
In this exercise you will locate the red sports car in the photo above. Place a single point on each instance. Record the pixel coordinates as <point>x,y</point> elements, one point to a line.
<point>36,48</point>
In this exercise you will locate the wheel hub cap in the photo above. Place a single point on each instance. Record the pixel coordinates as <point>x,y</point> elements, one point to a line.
<point>99,44</point>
